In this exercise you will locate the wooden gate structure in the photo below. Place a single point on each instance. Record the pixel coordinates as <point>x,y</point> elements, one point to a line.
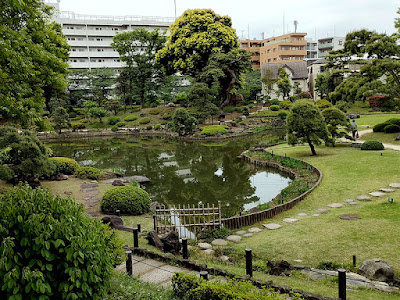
<point>187,220</point>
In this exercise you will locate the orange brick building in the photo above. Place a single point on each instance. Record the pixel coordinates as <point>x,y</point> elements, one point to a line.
<point>289,47</point>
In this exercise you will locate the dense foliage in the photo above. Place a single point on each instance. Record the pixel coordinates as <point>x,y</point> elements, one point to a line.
<point>65,165</point>
<point>87,173</point>
<point>127,199</point>
<point>372,145</point>
<point>22,156</point>
<point>337,123</point>
<point>182,122</point>
<point>211,130</point>
<point>383,127</point>
<point>51,249</point>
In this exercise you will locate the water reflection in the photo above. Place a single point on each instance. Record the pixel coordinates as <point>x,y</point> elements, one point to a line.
<point>183,172</point>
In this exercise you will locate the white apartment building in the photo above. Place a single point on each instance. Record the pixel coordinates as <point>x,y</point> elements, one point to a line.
<point>328,44</point>
<point>90,36</point>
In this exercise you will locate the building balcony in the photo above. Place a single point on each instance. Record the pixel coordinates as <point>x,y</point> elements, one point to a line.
<point>95,65</point>
<point>325,46</point>
<point>292,52</point>
<point>105,54</point>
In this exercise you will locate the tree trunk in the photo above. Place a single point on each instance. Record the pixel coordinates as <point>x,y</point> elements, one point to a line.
<point>396,80</point>
<point>229,89</point>
<point>311,146</point>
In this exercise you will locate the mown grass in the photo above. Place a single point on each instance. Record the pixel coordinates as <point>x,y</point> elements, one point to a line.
<point>372,120</point>
<point>389,138</point>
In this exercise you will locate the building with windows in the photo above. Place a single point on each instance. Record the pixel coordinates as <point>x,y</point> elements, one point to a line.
<point>312,50</point>
<point>90,36</point>
<point>289,47</point>
<point>328,44</point>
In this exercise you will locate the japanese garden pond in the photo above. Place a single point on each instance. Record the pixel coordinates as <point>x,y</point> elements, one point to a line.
<point>183,172</point>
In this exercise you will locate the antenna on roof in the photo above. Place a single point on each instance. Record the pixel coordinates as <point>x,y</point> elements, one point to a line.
<point>283,23</point>
<point>295,25</point>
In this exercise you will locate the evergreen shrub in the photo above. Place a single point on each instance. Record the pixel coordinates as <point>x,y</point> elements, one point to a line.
<point>144,120</point>
<point>87,173</point>
<point>113,120</point>
<point>214,129</point>
<point>65,165</point>
<point>130,118</point>
<point>372,145</point>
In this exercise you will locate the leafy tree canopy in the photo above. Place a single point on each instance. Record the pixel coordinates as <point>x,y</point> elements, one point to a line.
<point>183,123</point>
<point>337,123</point>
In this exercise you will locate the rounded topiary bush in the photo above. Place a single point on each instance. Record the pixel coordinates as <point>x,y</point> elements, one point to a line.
<point>65,165</point>
<point>130,118</point>
<point>372,145</point>
<point>144,120</point>
<point>120,124</point>
<point>87,173</point>
<point>113,120</point>
<point>274,107</point>
<point>391,128</point>
<point>380,127</point>
<point>114,128</point>
<point>51,249</point>
<point>127,199</point>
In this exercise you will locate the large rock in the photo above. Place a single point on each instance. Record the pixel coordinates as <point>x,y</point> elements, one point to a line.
<point>279,268</point>
<point>171,242</point>
<point>377,269</point>
<point>117,182</point>
<point>114,221</point>
<point>154,240</point>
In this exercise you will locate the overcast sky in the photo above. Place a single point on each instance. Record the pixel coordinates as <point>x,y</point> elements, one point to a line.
<point>318,18</point>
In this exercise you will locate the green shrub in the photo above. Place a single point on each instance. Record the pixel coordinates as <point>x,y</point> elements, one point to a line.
<point>322,103</point>
<point>65,165</point>
<point>391,128</point>
<point>154,111</point>
<point>158,127</point>
<point>144,120</point>
<point>274,107</point>
<point>113,120</point>
<point>380,127</point>
<point>149,127</point>
<point>246,111</point>
<point>51,249</point>
<point>282,115</point>
<point>372,145</point>
<point>229,109</point>
<point>304,95</point>
<point>114,128</point>
<point>214,129</point>
<point>274,102</point>
<point>211,234</point>
<point>128,199</point>
<point>135,108</point>
<point>264,113</point>
<point>120,124</point>
<point>167,115</point>
<point>78,126</point>
<point>189,286</point>
<point>87,173</point>
<point>285,104</point>
<point>130,118</point>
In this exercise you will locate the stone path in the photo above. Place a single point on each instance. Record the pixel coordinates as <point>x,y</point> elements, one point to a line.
<point>359,141</point>
<point>90,192</point>
<point>153,271</point>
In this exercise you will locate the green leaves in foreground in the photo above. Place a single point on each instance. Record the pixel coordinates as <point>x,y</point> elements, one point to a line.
<point>51,249</point>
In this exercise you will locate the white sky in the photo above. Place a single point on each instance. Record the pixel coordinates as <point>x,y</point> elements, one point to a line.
<point>318,18</point>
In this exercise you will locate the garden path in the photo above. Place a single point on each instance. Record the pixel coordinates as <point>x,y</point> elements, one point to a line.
<point>360,141</point>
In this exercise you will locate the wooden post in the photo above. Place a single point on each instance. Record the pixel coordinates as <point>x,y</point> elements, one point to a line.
<point>155,223</point>
<point>342,284</point>
<point>219,213</point>
<point>118,212</point>
<point>204,275</point>
<point>135,238</point>
<point>185,248</point>
<point>249,263</point>
<point>138,227</point>
<point>129,263</point>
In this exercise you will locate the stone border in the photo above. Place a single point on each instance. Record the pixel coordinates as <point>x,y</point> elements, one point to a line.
<point>192,265</point>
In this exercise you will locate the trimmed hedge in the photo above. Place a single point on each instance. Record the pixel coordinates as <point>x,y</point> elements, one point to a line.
<point>391,128</point>
<point>144,120</point>
<point>113,120</point>
<point>78,126</point>
<point>65,165</point>
<point>128,199</point>
<point>214,129</point>
<point>372,145</point>
<point>274,107</point>
<point>121,124</point>
<point>87,173</point>
<point>130,118</point>
<point>381,126</point>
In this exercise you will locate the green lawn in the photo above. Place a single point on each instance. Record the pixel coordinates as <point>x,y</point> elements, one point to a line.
<point>372,120</point>
<point>389,138</point>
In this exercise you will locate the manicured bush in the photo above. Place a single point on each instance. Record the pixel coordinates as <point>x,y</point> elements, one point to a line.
<point>304,95</point>
<point>167,115</point>
<point>158,127</point>
<point>229,109</point>
<point>120,124</point>
<point>264,113</point>
<point>214,129</point>
<point>274,107</point>
<point>285,104</point>
<point>113,120</point>
<point>114,128</point>
<point>372,145</point>
<point>65,165</point>
<point>144,120</point>
<point>135,108</point>
<point>274,102</point>
<point>78,126</point>
<point>211,234</point>
<point>51,249</point>
<point>154,111</point>
<point>183,123</point>
<point>282,115</point>
<point>322,103</point>
<point>128,199</point>
<point>391,128</point>
<point>149,127</point>
<point>246,111</point>
<point>380,127</point>
<point>87,173</point>
<point>130,118</point>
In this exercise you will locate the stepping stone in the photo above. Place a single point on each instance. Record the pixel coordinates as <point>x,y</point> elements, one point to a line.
<point>323,211</point>
<point>302,214</point>
<point>387,190</point>
<point>348,201</point>
<point>204,246</point>
<point>395,185</point>
<point>335,205</point>
<point>248,235</point>
<point>272,226</point>
<point>377,194</point>
<point>315,215</point>
<point>234,238</point>
<point>349,217</point>
<point>363,198</point>
<point>224,258</point>
<point>209,251</point>
<point>290,220</point>
<point>353,203</point>
<point>241,232</point>
<point>219,242</point>
<point>254,230</point>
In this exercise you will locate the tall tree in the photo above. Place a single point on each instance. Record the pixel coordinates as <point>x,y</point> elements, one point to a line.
<point>101,82</point>
<point>252,85</point>
<point>283,83</point>
<point>305,124</point>
<point>32,60</point>
<point>269,80</point>
<point>337,123</point>
<point>194,37</point>
<point>137,49</point>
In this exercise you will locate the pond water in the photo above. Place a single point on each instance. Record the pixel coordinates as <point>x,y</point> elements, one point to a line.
<point>183,172</point>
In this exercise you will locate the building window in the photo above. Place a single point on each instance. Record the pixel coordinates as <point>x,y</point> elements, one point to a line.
<point>322,69</point>
<point>269,60</point>
<point>275,59</point>
<point>340,43</point>
<point>274,50</point>
<point>269,51</point>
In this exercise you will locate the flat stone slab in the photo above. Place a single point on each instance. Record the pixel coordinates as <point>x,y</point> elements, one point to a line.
<point>352,203</point>
<point>209,251</point>
<point>290,220</point>
<point>348,200</point>
<point>335,205</point>
<point>363,198</point>
<point>349,217</point>
<point>224,258</point>
<point>128,179</point>
<point>302,214</point>
<point>234,238</point>
<point>254,230</point>
<point>272,226</point>
<point>204,246</point>
<point>377,194</point>
<point>395,185</point>
<point>385,190</point>
<point>219,242</point>
<point>315,215</point>
<point>323,211</point>
<point>241,232</point>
